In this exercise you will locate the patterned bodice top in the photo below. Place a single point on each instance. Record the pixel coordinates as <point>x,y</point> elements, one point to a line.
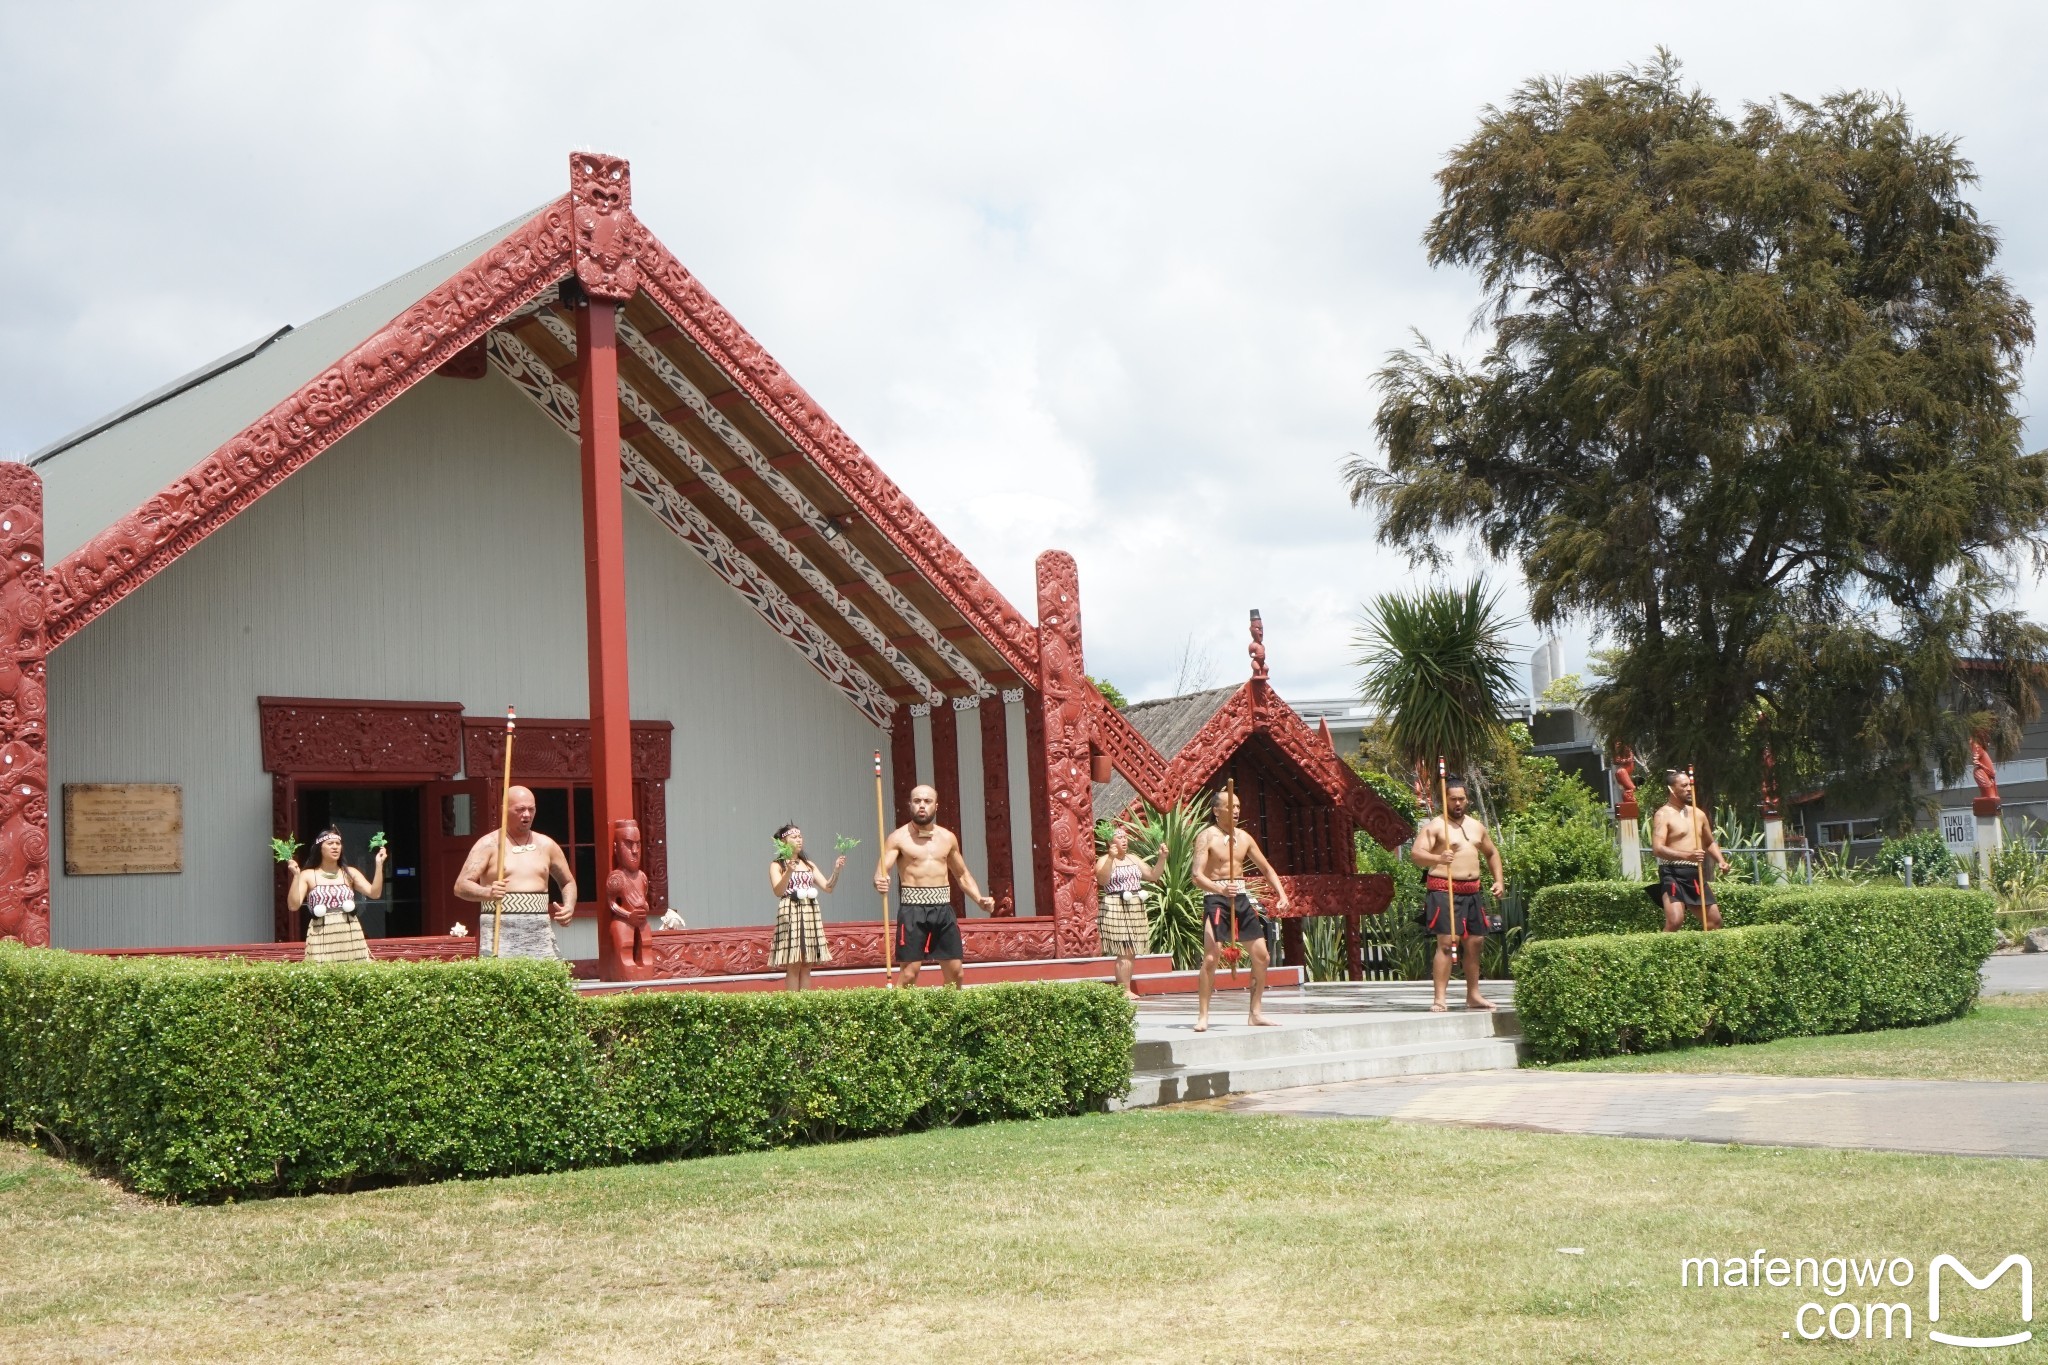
<point>330,896</point>
<point>1124,879</point>
<point>800,881</point>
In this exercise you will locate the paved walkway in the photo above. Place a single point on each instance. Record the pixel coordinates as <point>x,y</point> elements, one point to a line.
<point>1959,1118</point>
<point>2015,973</point>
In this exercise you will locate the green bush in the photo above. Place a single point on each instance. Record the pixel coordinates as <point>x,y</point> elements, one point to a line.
<point>1617,907</point>
<point>1802,962</point>
<point>196,1079</point>
<point>1932,862</point>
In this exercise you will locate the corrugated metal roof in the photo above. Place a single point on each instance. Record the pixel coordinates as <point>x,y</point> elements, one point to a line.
<point>1168,724</point>
<point>110,467</point>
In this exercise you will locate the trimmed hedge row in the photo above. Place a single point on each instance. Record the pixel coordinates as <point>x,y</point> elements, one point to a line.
<point>1800,961</point>
<point>199,1080</point>
<point>1618,907</point>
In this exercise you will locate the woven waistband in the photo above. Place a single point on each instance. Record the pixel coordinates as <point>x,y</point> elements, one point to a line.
<point>1126,896</point>
<point>1460,887</point>
<point>925,895</point>
<point>524,903</point>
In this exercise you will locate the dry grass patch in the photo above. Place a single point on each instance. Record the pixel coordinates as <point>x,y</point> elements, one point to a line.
<point>1168,1235</point>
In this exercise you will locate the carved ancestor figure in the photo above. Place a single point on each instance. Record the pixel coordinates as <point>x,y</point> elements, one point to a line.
<point>928,855</point>
<point>1625,773</point>
<point>531,860</point>
<point>1257,648</point>
<point>1983,770</point>
<point>625,904</point>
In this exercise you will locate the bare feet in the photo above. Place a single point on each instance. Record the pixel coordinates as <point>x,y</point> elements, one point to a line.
<point>1438,1008</point>
<point>1202,1024</point>
<point>1130,995</point>
<point>1259,1020</point>
<point>1476,1001</point>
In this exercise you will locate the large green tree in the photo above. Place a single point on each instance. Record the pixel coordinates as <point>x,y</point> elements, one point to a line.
<point>1749,409</point>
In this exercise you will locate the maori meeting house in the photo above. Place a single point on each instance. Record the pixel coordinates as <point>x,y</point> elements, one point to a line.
<point>301,585</point>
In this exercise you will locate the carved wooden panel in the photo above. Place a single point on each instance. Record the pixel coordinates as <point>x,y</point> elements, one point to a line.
<point>558,750</point>
<point>946,774</point>
<point>1063,692</point>
<point>24,761</point>
<point>337,735</point>
<point>739,952</point>
<point>995,803</point>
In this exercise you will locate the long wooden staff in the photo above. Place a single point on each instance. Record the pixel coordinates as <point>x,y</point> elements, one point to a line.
<point>504,819</point>
<point>1705,842</point>
<point>881,850</point>
<point>1443,806</point>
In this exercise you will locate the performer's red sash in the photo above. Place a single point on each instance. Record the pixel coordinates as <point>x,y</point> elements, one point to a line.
<point>1462,888</point>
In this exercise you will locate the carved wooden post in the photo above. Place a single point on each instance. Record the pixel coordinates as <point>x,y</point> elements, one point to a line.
<point>1628,834</point>
<point>1774,819</point>
<point>995,801</point>
<point>902,762</point>
<point>1986,806</point>
<point>600,192</point>
<point>1069,799</point>
<point>24,764</point>
<point>1034,772</point>
<point>946,773</point>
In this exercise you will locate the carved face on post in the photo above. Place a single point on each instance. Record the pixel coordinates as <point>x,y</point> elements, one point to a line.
<point>626,845</point>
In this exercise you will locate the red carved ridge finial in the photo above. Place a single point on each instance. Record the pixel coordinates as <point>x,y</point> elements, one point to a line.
<point>600,205</point>
<point>1257,648</point>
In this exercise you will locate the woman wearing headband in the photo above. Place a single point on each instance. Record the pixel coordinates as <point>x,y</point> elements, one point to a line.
<point>799,924</point>
<point>329,890</point>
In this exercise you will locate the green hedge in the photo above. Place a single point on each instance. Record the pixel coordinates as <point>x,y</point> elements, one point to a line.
<point>195,1079</point>
<point>1618,907</point>
<point>1800,961</point>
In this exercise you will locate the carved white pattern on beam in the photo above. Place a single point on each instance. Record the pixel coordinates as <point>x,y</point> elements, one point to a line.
<point>517,362</point>
<point>679,383</point>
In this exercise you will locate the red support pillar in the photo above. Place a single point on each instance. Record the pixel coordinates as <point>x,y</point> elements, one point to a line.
<point>24,764</point>
<point>1063,708</point>
<point>946,771</point>
<point>604,590</point>
<point>995,802</point>
<point>1034,774</point>
<point>902,763</point>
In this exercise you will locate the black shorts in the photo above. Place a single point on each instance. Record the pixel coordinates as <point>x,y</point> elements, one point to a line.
<point>1470,913</point>
<point>928,933</point>
<point>1217,917</point>
<point>1679,882</point>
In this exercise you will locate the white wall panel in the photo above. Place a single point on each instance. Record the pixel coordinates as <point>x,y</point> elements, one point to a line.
<point>435,555</point>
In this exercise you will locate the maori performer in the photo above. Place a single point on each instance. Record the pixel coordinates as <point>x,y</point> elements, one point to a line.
<point>328,890</point>
<point>928,855</point>
<point>1123,928</point>
<point>799,924</point>
<point>531,859</point>
<point>1682,838</point>
<point>625,902</point>
<point>1448,849</point>
<point>1222,852</point>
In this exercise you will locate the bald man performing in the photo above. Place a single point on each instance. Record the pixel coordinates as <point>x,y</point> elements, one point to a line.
<point>531,859</point>
<point>928,857</point>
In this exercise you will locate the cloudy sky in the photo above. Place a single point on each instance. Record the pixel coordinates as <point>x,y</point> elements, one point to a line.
<point>1112,278</point>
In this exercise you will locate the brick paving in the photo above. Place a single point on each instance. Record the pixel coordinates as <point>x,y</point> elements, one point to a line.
<point>1957,1118</point>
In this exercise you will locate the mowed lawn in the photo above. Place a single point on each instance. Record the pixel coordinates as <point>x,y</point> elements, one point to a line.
<point>1165,1235</point>
<point>2004,1039</point>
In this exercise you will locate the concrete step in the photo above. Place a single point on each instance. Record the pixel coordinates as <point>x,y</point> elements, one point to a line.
<point>1229,1041</point>
<point>1188,983</point>
<point>1174,1084</point>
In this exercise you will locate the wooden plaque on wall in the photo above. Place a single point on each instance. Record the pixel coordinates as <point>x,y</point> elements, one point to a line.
<point>119,828</point>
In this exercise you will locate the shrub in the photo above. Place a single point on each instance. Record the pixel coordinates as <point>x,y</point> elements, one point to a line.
<point>196,1079</point>
<point>1932,862</point>
<point>1618,907</point>
<point>1807,962</point>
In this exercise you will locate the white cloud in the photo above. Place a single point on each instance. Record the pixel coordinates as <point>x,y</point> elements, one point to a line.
<point>1108,278</point>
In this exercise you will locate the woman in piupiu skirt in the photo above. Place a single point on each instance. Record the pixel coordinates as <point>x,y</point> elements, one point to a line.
<point>799,923</point>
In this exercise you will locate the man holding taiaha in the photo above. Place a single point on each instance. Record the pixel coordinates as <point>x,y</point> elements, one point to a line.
<point>927,855</point>
<point>1682,838</point>
<point>1229,914</point>
<point>519,889</point>
<point>1448,849</point>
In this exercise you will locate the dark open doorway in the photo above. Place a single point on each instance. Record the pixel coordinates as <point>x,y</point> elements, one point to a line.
<point>359,813</point>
